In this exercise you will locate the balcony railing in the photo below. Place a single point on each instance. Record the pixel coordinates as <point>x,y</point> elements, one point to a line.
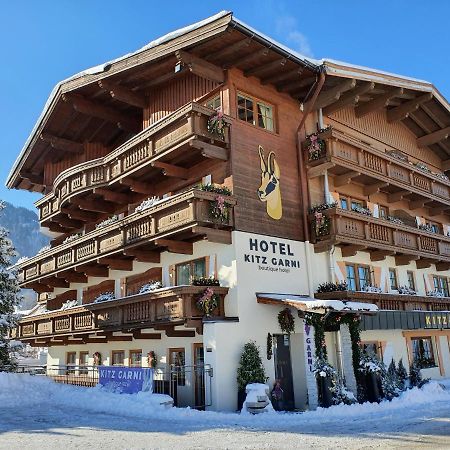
<point>175,305</point>
<point>184,214</point>
<point>386,301</point>
<point>350,228</point>
<point>343,152</point>
<point>183,130</point>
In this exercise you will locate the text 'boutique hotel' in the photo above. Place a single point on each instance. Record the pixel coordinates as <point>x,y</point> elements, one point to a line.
<point>195,189</point>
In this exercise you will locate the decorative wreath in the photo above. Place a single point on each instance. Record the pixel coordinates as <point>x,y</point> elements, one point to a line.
<point>286,321</point>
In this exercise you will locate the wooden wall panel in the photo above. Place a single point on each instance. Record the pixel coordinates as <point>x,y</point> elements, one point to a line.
<point>394,135</point>
<point>53,169</point>
<point>250,212</point>
<point>91,293</point>
<point>176,94</point>
<point>135,282</point>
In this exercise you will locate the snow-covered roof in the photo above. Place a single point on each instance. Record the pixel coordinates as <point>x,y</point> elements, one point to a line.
<point>305,303</point>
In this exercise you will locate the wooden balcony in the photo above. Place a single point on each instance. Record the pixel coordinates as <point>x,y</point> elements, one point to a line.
<point>178,147</point>
<point>96,322</point>
<point>352,160</point>
<point>354,232</point>
<point>173,224</point>
<point>391,302</point>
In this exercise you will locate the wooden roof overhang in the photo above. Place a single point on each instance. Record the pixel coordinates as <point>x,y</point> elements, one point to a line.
<point>415,103</point>
<point>105,104</point>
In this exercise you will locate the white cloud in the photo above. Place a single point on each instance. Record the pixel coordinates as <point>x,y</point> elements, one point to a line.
<point>287,27</point>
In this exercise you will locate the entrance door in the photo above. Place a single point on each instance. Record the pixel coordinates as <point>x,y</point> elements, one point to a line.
<point>199,375</point>
<point>283,370</point>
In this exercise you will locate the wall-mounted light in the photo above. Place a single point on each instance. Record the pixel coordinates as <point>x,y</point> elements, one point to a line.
<point>178,67</point>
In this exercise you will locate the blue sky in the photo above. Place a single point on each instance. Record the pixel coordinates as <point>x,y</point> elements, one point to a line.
<point>42,42</point>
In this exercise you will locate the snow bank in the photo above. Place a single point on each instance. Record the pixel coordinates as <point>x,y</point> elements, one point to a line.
<point>27,392</point>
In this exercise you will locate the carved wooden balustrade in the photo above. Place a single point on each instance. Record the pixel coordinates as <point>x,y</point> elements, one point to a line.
<point>366,232</point>
<point>390,301</point>
<point>402,179</point>
<point>183,130</point>
<point>169,306</point>
<point>183,215</point>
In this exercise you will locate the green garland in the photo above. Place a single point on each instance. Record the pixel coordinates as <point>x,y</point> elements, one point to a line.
<point>269,346</point>
<point>315,320</point>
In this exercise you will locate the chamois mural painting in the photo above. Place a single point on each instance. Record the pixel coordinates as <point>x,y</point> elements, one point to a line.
<point>269,191</point>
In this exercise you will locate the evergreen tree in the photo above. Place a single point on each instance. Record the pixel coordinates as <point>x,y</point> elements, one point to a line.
<point>415,378</point>
<point>402,375</point>
<point>390,381</point>
<point>251,369</point>
<point>8,295</point>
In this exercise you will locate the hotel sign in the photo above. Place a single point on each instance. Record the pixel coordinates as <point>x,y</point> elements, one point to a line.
<point>440,320</point>
<point>126,380</point>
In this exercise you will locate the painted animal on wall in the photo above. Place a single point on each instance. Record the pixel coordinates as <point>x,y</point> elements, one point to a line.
<point>269,191</point>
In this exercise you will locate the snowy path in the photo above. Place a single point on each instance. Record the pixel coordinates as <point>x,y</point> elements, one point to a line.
<point>42,415</point>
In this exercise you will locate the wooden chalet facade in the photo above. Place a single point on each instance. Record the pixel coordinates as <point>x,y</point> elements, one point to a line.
<point>124,155</point>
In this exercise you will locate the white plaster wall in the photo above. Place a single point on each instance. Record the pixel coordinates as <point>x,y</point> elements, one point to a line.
<point>445,354</point>
<point>395,344</point>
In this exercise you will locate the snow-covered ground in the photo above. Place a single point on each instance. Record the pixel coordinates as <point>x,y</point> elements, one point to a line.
<point>37,413</point>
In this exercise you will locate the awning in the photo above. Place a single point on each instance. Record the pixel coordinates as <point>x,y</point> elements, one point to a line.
<point>309,304</point>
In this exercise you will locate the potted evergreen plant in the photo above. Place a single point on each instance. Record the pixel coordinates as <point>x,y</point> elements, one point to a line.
<point>325,374</point>
<point>372,368</point>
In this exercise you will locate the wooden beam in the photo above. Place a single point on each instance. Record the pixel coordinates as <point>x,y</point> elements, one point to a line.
<point>263,52</point>
<point>351,250</point>
<point>377,103</point>
<point>424,263</point>
<point>33,178</point>
<point>380,255</point>
<point>138,186</point>
<point>333,94</point>
<point>283,76</point>
<point>57,282</point>
<point>446,165</point>
<point>138,334</point>
<point>93,271</point>
<point>123,94</point>
<point>73,277</point>
<point>200,67</point>
<point>185,248</point>
<point>442,266</point>
<point>433,138</point>
<point>111,338</point>
<point>437,211</point>
<point>214,235</point>
<point>170,332</point>
<point>56,228</point>
<point>68,223</point>
<point>264,68</point>
<point>100,111</point>
<point>374,188</point>
<point>116,263</point>
<point>404,260</point>
<point>171,170</point>
<point>398,196</point>
<point>349,98</point>
<point>229,50</point>
<point>296,85</point>
<point>38,287</point>
<point>79,214</point>
<point>144,255</point>
<point>209,150</point>
<point>95,205</point>
<point>345,178</point>
<point>114,197</point>
<point>62,144</point>
<point>416,204</point>
<point>405,109</point>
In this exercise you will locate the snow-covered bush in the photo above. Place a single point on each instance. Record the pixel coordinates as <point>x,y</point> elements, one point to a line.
<point>369,363</point>
<point>150,286</point>
<point>415,377</point>
<point>104,297</point>
<point>435,293</point>
<point>395,220</point>
<point>69,304</point>
<point>406,290</point>
<point>322,368</point>
<point>361,210</point>
<point>72,237</point>
<point>106,222</point>
<point>147,203</point>
<point>340,393</point>
<point>332,287</point>
<point>373,289</point>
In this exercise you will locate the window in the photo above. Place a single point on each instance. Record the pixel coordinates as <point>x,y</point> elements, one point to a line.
<point>435,227</point>
<point>255,112</point>
<point>135,358</point>
<point>383,212</point>
<point>84,359</point>
<point>358,277</point>
<point>117,357</point>
<point>411,280</point>
<point>423,354</point>
<point>191,269</point>
<point>393,279</point>
<point>214,103</point>
<point>71,361</point>
<point>441,285</point>
<point>371,348</point>
<point>344,202</point>
<point>177,361</point>
<point>357,204</point>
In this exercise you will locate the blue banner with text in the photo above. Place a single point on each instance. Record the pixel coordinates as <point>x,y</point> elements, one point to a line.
<point>126,380</point>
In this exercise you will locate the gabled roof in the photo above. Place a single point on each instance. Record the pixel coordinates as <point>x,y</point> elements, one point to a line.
<point>223,41</point>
